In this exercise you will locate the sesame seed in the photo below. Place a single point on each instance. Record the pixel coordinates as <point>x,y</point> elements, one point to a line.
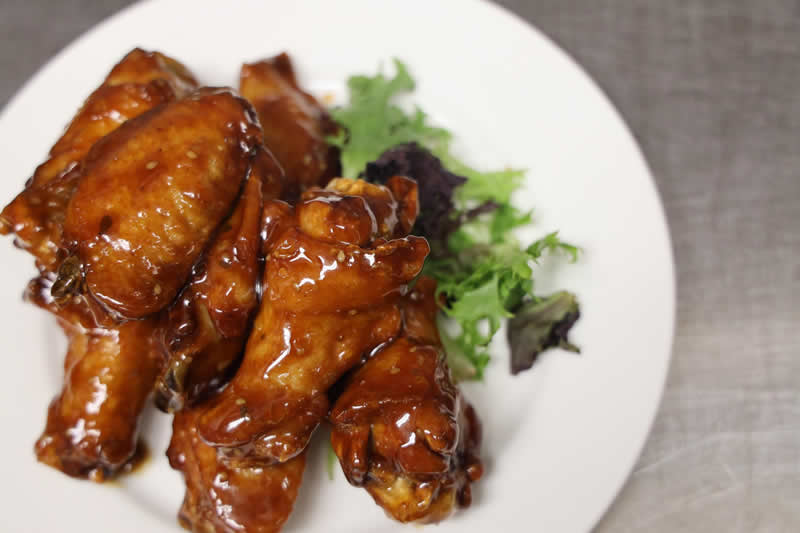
<point>340,256</point>
<point>240,401</point>
<point>191,155</point>
<point>151,165</point>
<point>157,290</point>
<point>394,370</point>
<point>352,312</point>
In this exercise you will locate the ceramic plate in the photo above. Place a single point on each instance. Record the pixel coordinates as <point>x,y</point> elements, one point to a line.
<point>560,439</point>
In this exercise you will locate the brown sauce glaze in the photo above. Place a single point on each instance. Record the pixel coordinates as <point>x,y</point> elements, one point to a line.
<point>325,305</point>
<point>159,186</point>
<point>402,430</point>
<point>204,332</point>
<point>92,425</point>
<point>354,212</point>
<point>225,498</point>
<point>141,458</point>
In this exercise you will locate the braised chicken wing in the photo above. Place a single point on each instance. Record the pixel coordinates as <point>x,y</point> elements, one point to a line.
<point>336,267</point>
<point>204,332</point>
<point>402,430</point>
<point>295,124</point>
<point>225,498</point>
<point>138,83</point>
<point>92,425</point>
<point>152,193</point>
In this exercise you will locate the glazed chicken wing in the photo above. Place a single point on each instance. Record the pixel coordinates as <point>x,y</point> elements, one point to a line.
<point>332,282</point>
<point>92,425</point>
<point>295,124</point>
<point>152,193</point>
<point>402,430</point>
<point>225,498</point>
<point>204,332</point>
<point>140,82</point>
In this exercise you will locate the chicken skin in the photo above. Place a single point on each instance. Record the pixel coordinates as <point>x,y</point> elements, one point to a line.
<point>92,425</point>
<point>152,193</point>
<point>138,83</point>
<point>337,265</point>
<point>204,332</point>
<point>402,430</point>
<point>226,498</point>
<point>295,124</point>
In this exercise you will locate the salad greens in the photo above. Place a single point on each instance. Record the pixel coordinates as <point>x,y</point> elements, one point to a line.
<point>330,462</point>
<point>373,123</point>
<point>530,331</point>
<point>483,272</point>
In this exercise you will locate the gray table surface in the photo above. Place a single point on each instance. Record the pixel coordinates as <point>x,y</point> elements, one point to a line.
<point>712,92</point>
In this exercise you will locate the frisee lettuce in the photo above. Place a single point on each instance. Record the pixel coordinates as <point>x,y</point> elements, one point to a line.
<point>374,123</point>
<point>484,274</point>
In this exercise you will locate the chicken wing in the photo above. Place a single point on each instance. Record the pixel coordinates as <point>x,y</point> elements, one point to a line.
<point>225,498</point>
<point>141,81</point>
<point>402,430</point>
<point>332,283</point>
<point>92,425</point>
<point>204,332</point>
<point>295,124</point>
<point>152,193</point>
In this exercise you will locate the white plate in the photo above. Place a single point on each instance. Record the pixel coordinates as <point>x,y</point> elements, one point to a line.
<point>560,439</point>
